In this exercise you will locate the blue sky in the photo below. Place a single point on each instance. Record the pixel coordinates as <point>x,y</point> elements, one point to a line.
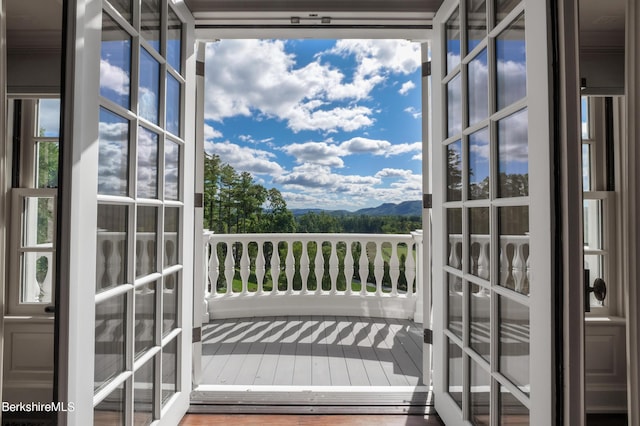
<point>331,123</point>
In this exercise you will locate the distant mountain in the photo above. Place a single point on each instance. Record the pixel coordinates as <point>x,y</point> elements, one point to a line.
<point>406,208</point>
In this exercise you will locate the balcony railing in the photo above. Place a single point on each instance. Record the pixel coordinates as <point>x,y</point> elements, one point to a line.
<point>373,275</point>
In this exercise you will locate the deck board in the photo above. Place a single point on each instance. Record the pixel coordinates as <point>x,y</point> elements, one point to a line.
<point>312,351</point>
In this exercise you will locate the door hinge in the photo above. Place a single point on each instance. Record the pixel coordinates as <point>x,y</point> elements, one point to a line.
<point>426,69</point>
<point>428,336</point>
<point>197,335</point>
<point>198,200</point>
<point>427,201</point>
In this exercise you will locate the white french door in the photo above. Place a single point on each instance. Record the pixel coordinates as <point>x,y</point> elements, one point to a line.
<point>492,268</point>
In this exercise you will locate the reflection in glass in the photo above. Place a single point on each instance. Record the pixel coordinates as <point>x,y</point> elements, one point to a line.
<point>480,327</point>
<point>38,221</point>
<point>454,308</point>
<point>111,253</point>
<point>146,240</point>
<point>454,171</point>
<point>513,345</point>
<point>513,224</point>
<point>47,157</point>
<point>150,22</point>
<point>476,23</point>
<point>479,242</point>
<point>169,370</point>
<point>36,276</point>
<point>592,218</point>
<point>173,105</point>
<point>479,166</point>
<point>174,41</point>
<point>512,412</point>
<point>453,41</point>
<point>170,290</point>
<point>111,410</point>
<point>594,267</point>
<point>503,7</point>
<point>113,156</point>
<point>124,7</point>
<point>480,395</point>
<point>513,152</point>
<point>48,118</point>
<point>454,373</point>
<point>148,102</point>
<point>171,224</point>
<point>511,65</point>
<point>115,62</point>
<point>171,170</point>
<point>586,167</point>
<point>110,339</point>
<point>147,163</point>
<point>454,106</point>
<point>143,394</point>
<point>584,109</point>
<point>478,102</point>
<point>145,320</point>
<point>454,231</point>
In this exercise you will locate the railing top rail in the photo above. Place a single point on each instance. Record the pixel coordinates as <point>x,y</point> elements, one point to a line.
<point>309,237</point>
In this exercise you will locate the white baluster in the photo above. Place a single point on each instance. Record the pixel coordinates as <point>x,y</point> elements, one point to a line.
<point>504,263</point>
<point>519,267</point>
<point>483,259</point>
<point>260,267</point>
<point>275,267</point>
<point>214,267</point>
<point>394,268</point>
<point>245,267</point>
<point>304,267</point>
<point>333,266</point>
<point>454,255</point>
<point>205,267</point>
<point>410,268</point>
<point>290,267</point>
<point>348,267</point>
<point>319,267</point>
<point>363,267</point>
<point>229,268</point>
<point>378,268</point>
<point>528,265</point>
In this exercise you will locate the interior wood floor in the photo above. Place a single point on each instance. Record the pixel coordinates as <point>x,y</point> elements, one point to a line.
<point>308,420</point>
<point>312,351</point>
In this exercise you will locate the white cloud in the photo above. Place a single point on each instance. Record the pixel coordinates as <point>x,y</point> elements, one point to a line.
<point>245,159</point>
<point>360,145</point>
<point>406,87</point>
<point>113,78</point>
<point>414,112</point>
<point>320,153</point>
<point>394,173</point>
<point>378,56</point>
<point>211,133</point>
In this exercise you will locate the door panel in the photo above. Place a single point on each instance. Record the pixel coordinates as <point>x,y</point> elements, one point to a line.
<point>493,317</point>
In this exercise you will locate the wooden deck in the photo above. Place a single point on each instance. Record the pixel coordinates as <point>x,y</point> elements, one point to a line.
<point>312,351</point>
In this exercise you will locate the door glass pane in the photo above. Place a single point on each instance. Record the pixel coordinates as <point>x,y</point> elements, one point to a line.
<point>149,96</point>
<point>513,223</point>
<point>454,106</point>
<point>514,342</point>
<point>511,64</point>
<point>512,412</point>
<point>47,158</point>
<point>453,41</point>
<point>111,410</point>
<point>513,151</point>
<point>454,374</point>
<point>113,157</point>
<point>584,109</point>
<point>173,105</point>
<point>36,277</point>
<point>146,240</point>
<point>171,170</point>
<point>174,41</point>
<point>112,248</point>
<point>145,320</point>
<point>478,88</point>
<point>480,395</point>
<point>170,303</point>
<point>171,245</point>
<point>592,218</point>
<point>169,370</point>
<point>476,23</point>
<point>115,63</point>
<point>48,118</point>
<point>150,22</point>
<point>38,222</point>
<point>479,242</point>
<point>110,339</point>
<point>454,171</point>
<point>143,394</point>
<point>454,309</point>
<point>586,167</point>
<point>124,7</point>
<point>480,327</point>
<point>479,165</point>
<point>454,230</point>
<point>147,163</point>
<point>503,7</point>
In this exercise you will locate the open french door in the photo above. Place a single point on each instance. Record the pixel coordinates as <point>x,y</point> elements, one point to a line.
<point>493,331</point>
<point>127,213</point>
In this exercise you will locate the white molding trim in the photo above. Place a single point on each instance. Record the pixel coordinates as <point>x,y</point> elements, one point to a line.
<point>3,172</point>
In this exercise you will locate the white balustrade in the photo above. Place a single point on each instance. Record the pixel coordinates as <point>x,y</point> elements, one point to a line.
<point>313,274</point>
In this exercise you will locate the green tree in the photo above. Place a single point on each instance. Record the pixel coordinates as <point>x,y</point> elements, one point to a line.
<point>276,216</point>
<point>211,178</point>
